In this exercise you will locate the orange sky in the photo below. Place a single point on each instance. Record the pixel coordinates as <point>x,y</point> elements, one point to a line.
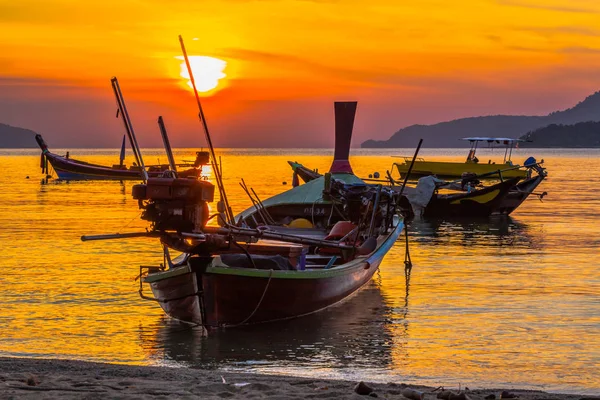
<point>405,62</point>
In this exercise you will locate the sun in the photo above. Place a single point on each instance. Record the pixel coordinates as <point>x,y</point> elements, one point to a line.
<point>207,72</point>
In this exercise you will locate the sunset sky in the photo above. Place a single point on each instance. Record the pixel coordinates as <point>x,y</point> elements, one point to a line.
<point>285,61</point>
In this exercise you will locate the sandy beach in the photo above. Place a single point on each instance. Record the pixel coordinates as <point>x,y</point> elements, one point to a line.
<point>48,379</point>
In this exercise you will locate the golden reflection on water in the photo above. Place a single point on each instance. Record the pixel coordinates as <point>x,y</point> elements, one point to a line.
<point>508,302</point>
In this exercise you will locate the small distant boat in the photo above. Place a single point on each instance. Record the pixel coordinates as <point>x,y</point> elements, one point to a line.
<point>451,170</point>
<point>68,168</point>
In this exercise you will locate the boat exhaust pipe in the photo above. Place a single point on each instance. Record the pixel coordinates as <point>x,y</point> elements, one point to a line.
<point>344,124</point>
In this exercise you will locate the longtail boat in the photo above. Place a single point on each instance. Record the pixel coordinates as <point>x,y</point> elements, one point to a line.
<point>68,168</point>
<point>232,274</point>
<point>301,272</point>
<point>472,165</point>
<point>500,198</point>
<point>476,203</point>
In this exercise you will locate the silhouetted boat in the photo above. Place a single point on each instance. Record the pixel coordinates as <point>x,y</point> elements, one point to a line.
<point>500,198</point>
<point>68,168</point>
<point>477,203</point>
<point>450,170</point>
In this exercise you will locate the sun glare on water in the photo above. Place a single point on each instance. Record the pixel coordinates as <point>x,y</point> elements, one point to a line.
<point>207,72</point>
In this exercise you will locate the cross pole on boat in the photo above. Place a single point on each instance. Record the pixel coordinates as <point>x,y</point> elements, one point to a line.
<point>226,231</point>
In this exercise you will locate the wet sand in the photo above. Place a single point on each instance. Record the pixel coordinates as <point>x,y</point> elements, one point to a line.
<point>22,378</point>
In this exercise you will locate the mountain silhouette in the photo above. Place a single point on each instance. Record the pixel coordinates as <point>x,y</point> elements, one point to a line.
<point>16,138</point>
<point>582,134</point>
<point>447,134</point>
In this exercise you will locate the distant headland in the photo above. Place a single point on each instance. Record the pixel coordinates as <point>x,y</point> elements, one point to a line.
<point>447,134</point>
<point>576,127</point>
<point>12,137</point>
<point>583,134</point>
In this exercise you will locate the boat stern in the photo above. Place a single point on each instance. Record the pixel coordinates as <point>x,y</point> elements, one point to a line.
<point>176,290</point>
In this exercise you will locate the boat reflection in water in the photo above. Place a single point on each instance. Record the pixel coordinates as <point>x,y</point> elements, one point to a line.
<point>486,232</point>
<point>351,335</point>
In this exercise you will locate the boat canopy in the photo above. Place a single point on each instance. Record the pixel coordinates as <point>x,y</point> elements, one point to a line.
<point>508,142</point>
<point>492,139</point>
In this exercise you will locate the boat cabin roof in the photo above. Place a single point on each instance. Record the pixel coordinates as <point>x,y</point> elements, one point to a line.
<point>509,143</point>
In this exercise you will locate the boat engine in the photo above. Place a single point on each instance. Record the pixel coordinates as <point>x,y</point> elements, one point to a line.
<point>175,204</point>
<point>359,199</point>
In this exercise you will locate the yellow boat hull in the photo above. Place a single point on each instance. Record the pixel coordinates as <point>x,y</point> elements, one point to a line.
<point>445,170</point>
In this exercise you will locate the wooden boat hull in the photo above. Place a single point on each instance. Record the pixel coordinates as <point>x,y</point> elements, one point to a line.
<point>284,297</point>
<point>71,169</point>
<point>238,296</point>
<point>177,293</point>
<point>517,195</point>
<point>452,170</point>
<point>479,203</point>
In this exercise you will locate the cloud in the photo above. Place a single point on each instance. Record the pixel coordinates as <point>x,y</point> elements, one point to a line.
<point>27,81</point>
<point>494,38</point>
<point>380,76</point>
<point>555,30</point>
<point>547,7</point>
<point>580,50</point>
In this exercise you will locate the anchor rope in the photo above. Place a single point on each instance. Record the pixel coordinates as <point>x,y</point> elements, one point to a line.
<point>257,305</point>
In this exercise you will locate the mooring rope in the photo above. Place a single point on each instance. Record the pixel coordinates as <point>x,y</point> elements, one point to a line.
<point>257,305</point>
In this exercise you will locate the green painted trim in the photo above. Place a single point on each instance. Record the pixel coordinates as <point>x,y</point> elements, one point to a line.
<point>306,274</point>
<point>343,269</point>
<point>170,273</point>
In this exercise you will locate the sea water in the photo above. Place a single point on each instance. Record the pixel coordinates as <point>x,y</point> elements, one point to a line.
<point>499,302</point>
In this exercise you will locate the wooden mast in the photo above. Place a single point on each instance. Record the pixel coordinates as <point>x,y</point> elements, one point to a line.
<point>214,163</point>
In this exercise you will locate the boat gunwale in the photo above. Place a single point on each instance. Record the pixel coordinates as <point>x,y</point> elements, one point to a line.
<point>359,262</point>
